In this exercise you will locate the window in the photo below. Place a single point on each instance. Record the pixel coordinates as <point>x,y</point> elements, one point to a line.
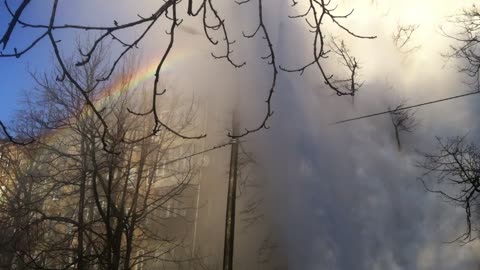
<point>183,154</point>
<point>132,177</point>
<point>55,196</point>
<point>147,215</point>
<point>175,208</point>
<point>5,161</point>
<point>182,211</point>
<point>86,213</point>
<point>103,204</point>
<point>140,263</point>
<point>161,254</point>
<point>4,165</point>
<point>169,209</point>
<point>161,170</point>
<point>179,208</point>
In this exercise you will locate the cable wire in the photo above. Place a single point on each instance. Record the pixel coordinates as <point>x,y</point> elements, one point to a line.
<point>406,108</point>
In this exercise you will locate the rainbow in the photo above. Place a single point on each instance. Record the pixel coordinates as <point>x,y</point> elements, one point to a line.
<point>135,79</point>
<point>142,75</point>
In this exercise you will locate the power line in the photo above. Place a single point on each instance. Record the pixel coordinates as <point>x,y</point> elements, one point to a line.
<point>406,108</point>
<point>196,153</point>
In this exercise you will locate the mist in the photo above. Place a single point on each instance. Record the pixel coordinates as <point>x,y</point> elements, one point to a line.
<point>343,196</point>
<point>338,196</point>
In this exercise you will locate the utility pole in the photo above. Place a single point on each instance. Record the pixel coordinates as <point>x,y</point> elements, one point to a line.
<point>231,197</point>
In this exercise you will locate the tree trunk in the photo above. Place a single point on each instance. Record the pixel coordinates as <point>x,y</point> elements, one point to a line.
<point>397,137</point>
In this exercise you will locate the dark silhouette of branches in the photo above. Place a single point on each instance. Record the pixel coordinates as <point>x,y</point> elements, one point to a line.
<point>257,229</point>
<point>169,15</point>
<point>402,38</point>
<point>467,47</point>
<point>72,205</point>
<point>271,57</point>
<point>348,84</point>
<point>11,138</point>
<point>455,168</point>
<point>319,12</point>
<point>403,120</point>
<point>13,22</point>
<point>108,31</point>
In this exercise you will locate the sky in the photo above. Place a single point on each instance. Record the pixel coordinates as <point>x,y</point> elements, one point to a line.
<point>15,77</point>
<point>342,195</point>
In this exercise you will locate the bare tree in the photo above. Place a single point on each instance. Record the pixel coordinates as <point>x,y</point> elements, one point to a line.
<point>250,189</point>
<point>402,38</point>
<point>94,209</point>
<point>467,46</point>
<point>352,67</point>
<point>453,172</point>
<point>257,235</point>
<point>169,15</point>
<point>403,120</point>
<point>455,165</point>
<point>18,194</point>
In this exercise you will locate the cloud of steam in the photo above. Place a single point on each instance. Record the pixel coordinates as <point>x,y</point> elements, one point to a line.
<point>343,195</point>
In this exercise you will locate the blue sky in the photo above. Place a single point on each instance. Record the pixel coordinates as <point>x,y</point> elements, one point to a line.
<point>352,199</point>
<point>14,73</point>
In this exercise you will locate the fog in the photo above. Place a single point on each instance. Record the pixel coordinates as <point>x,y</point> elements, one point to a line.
<point>341,196</point>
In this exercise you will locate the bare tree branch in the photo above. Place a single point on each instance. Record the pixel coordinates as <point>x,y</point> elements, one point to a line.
<point>403,120</point>
<point>455,168</point>
<point>318,12</point>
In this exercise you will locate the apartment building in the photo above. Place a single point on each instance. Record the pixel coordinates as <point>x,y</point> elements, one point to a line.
<point>157,205</point>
